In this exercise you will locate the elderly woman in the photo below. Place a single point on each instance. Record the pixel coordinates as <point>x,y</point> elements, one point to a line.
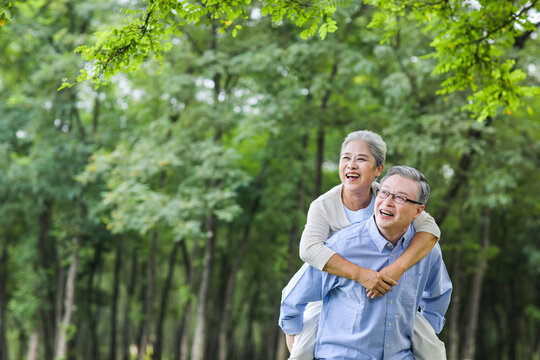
<point>361,162</point>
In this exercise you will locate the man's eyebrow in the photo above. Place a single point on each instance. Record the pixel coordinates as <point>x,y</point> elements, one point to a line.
<point>396,193</point>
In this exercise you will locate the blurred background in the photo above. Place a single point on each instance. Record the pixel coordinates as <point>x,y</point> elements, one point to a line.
<point>159,216</point>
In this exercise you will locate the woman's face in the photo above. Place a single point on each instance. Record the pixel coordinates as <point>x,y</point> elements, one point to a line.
<point>357,166</point>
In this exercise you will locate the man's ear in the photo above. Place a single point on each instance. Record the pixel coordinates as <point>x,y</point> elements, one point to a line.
<point>419,210</point>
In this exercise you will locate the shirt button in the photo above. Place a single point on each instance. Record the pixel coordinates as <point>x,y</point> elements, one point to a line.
<point>391,302</point>
<point>387,345</point>
<point>389,324</point>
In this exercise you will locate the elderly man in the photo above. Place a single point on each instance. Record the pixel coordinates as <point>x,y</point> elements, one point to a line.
<point>353,326</point>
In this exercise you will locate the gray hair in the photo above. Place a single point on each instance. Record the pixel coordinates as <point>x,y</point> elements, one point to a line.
<point>413,174</point>
<point>374,141</point>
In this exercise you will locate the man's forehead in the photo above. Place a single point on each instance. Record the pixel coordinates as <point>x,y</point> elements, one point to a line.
<point>399,184</point>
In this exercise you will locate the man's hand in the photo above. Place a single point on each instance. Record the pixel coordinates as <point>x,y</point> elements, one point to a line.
<point>290,341</point>
<point>376,283</point>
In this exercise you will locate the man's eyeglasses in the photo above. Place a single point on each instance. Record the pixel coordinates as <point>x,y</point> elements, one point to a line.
<point>398,199</point>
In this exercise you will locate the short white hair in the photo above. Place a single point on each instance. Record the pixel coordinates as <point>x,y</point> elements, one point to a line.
<point>374,141</point>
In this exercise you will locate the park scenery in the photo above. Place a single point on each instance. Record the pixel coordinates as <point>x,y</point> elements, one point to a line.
<point>158,159</point>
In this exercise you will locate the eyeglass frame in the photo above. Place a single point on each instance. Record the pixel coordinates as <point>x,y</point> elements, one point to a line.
<point>396,196</point>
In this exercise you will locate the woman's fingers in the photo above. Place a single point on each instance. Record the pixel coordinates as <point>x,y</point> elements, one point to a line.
<point>381,285</point>
<point>388,280</point>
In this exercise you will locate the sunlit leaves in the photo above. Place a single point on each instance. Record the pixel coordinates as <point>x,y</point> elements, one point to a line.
<point>6,12</point>
<point>145,32</point>
<point>470,42</point>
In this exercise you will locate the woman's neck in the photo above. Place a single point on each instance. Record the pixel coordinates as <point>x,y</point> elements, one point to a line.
<point>356,200</point>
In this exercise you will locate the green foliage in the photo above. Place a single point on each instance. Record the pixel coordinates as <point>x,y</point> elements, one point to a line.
<point>469,42</point>
<point>231,129</point>
<point>146,32</point>
<point>141,200</point>
<point>6,12</point>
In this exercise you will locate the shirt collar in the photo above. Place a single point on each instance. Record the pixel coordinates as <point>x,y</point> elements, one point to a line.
<point>379,240</point>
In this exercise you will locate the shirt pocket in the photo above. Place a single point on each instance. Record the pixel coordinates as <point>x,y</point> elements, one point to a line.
<point>409,287</point>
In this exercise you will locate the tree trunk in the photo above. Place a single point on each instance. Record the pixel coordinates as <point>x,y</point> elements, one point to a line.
<point>69,302</point>
<point>114,305</point>
<point>163,307</point>
<point>319,157</point>
<point>150,284</point>
<point>514,324</point>
<point>185,323</point>
<point>33,346</point>
<point>92,349</point>
<point>462,173</point>
<point>124,348</point>
<point>199,336</point>
<point>319,160</point>
<point>455,308</point>
<point>476,291</point>
<point>48,259</point>
<point>149,298</point>
<point>223,344</point>
<point>282,351</point>
<point>60,288</point>
<point>3,301</point>
<point>250,347</point>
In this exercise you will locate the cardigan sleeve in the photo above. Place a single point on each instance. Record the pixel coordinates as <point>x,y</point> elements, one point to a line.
<point>317,229</point>
<point>426,223</point>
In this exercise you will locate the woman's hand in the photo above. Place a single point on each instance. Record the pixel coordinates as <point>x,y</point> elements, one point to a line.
<point>393,272</point>
<point>376,283</point>
<point>290,341</point>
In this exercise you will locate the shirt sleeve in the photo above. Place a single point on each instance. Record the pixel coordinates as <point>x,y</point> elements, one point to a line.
<point>317,229</point>
<point>304,287</point>
<point>426,223</point>
<point>437,294</point>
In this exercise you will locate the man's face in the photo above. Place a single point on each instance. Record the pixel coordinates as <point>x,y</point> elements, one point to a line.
<point>357,166</point>
<point>397,217</point>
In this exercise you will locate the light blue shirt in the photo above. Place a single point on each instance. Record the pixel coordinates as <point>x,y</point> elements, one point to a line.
<point>362,214</point>
<point>352,326</point>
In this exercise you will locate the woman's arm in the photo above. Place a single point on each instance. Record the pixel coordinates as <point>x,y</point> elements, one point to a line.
<point>314,251</point>
<point>427,235</point>
<point>376,283</point>
<point>312,248</point>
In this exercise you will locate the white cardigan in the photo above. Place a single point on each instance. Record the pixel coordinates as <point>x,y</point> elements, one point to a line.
<point>326,215</point>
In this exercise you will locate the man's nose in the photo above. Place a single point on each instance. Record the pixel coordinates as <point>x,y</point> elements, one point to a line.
<point>389,200</point>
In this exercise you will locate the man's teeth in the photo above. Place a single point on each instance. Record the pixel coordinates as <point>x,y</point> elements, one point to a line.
<point>386,213</point>
<point>353,176</point>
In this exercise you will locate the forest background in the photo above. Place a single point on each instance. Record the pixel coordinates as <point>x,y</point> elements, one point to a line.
<point>154,208</point>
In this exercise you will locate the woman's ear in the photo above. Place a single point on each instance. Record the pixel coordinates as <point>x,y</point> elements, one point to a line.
<point>379,170</point>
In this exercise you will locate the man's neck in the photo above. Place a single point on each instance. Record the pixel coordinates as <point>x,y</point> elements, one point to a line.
<point>392,235</point>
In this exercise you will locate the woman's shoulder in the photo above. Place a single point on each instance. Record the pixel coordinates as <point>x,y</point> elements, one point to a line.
<point>330,195</point>
<point>329,199</point>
